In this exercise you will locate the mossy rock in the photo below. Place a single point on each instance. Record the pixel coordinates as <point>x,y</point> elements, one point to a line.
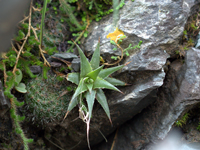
<point>47,100</point>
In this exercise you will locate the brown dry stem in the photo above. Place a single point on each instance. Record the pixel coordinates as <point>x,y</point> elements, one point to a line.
<point>114,140</point>
<point>5,75</point>
<point>41,51</point>
<point>24,42</point>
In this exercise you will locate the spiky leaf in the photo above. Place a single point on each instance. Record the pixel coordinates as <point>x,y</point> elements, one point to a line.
<point>101,83</point>
<point>95,57</point>
<point>94,74</point>
<point>106,72</point>
<point>101,98</point>
<point>85,65</point>
<point>115,82</point>
<point>80,89</point>
<point>90,97</point>
<point>74,77</point>
<point>72,104</point>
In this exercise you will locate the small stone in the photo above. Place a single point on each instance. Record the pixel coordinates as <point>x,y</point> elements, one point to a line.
<point>55,64</point>
<point>76,64</point>
<point>198,41</point>
<point>36,69</point>
<point>4,103</point>
<point>65,56</point>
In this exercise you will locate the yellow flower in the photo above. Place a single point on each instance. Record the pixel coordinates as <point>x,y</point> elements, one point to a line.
<point>115,36</point>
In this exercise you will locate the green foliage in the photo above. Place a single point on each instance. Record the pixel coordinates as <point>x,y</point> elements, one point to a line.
<point>42,21</point>
<point>130,48</point>
<point>193,26</point>
<point>67,8</point>
<point>198,127</point>
<point>93,79</point>
<point>183,120</point>
<point>45,70</point>
<point>185,32</point>
<point>71,1</point>
<point>87,10</point>
<point>46,99</point>
<point>14,80</point>
<point>90,81</point>
<point>125,51</point>
<point>115,12</point>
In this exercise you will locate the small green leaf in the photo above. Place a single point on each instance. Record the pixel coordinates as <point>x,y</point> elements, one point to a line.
<point>18,131</point>
<point>17,103</point>
<point>18,76</point>
<point>101,83</point>
<point>80,89</point>
<point>115,82</point>
<point>93,74</point>
<point>20,118</point>
<point>21,87</point>
<point>85,65</point>
<point>90,97</point>
<point>106,72</point>
<point>29,140</point>
<point>95,57</point>
<point>101,98</point>
<point>74,77</point>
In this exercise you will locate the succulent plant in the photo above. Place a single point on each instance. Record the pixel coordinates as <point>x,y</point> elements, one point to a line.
<point>47,99</point>
<point>91,80</point>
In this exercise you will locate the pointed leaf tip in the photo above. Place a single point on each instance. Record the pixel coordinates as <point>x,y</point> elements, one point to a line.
<point>101,98</point>
<point>111,122</point>
<point>85,65</point>
<point>106,72</point>
<point>95,57</point>
<point>101,83</point>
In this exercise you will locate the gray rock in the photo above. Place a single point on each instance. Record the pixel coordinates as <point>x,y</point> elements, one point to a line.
<point>180,92</point>
<point>76,64</point>
<point>55,64</point>
<point>65,56</point>
<point>4,103</point>
<point>158,23</point>
<point>36,69</point>
<point>197,44</point>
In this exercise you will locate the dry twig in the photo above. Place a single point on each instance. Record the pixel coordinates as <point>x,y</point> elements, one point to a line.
<point>28,34</point>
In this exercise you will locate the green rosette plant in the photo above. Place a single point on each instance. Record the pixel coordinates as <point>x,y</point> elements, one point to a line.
<point>91,80</point>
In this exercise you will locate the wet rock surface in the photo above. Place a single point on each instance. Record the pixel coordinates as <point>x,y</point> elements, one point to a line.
<point>179,93</point>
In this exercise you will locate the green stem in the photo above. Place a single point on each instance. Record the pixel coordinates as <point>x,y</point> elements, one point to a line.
<point>18,128</point>
<point>115,12</point>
